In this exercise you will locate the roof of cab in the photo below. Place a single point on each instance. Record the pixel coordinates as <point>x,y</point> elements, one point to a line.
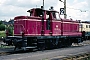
<point>45,10</point>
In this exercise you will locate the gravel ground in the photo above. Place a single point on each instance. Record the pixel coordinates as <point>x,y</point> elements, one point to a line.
<point>63,52</point>
<point>87,42</point>
<point>1,42</point>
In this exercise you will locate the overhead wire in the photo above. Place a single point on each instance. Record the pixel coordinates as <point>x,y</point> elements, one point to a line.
<point>78,9</point>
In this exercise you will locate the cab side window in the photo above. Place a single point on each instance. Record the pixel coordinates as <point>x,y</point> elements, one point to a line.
<point>55,15</point>
<point>48,21</point>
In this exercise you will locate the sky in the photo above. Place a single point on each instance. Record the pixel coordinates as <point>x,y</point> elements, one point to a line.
<point>76,9</point>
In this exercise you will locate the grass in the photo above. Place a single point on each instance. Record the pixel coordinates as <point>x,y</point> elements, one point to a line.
<point>5,46</point>
<point>2,34</point>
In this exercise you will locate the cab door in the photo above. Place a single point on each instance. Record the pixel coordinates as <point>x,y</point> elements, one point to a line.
<point>48,27</point>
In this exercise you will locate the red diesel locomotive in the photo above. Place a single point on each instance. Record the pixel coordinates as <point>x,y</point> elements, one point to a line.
<point>44,29</point>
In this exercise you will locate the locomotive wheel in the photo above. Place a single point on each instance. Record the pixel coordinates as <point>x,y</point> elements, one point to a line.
<point>69,43</point>
<point>41,45</point>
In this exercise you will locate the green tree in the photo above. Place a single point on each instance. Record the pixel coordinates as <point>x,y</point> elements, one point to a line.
<point>2,27</point>
<point>0,22</point>
<point>10,30</point>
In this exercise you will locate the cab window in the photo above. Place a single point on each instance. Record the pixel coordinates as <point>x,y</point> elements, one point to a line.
<point>39,12</point>
<point>55,15</point>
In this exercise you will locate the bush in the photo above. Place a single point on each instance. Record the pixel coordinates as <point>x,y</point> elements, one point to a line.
<point>10,30</point>
<point>2,34</point>
<point>2,27</point>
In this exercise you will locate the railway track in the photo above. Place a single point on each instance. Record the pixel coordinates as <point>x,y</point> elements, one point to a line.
<point>83,56</point>
<point>13,52</point>
<point>55,54</point>
<point>9,51</point>
<point>4,53</point>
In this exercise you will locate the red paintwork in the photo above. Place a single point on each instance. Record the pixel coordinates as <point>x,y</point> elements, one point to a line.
<point>32,26</point>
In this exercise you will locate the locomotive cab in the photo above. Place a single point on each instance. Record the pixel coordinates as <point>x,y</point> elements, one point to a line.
<point>46,17</point>
<point>36,12</point>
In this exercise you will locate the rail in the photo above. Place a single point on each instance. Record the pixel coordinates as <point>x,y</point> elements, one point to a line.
<point>84,56</point>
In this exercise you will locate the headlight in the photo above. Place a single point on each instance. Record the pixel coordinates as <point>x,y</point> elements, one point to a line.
<point>21,32</point>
